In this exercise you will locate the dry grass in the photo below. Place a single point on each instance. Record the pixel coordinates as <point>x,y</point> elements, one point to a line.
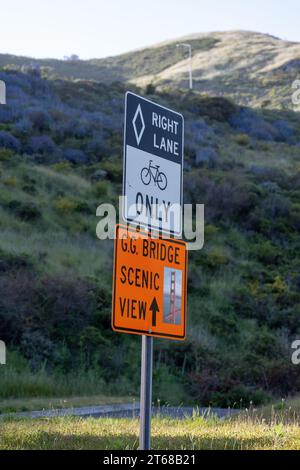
<point>194,434</point>
<point>243,65</point>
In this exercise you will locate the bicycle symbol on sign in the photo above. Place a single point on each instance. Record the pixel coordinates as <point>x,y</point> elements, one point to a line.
<point>152,172</point>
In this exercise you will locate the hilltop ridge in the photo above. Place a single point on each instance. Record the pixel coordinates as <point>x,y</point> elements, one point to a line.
<point>252,68</point>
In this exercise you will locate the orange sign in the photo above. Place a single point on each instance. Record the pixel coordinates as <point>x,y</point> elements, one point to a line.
<point>149,293</point>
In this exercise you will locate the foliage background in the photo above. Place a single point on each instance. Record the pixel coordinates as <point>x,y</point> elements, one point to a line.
<point>60,157</point>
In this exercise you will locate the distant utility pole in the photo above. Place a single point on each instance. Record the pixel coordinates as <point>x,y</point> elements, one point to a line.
<point>183,44</point>
<point>2,92</point>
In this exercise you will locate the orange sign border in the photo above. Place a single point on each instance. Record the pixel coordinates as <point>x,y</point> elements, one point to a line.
<point>143,332</point>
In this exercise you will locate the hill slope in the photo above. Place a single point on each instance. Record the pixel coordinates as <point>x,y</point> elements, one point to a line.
<point>60,157</point>
<point>253,68</point>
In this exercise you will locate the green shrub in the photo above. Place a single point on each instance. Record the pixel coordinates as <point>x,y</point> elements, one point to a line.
<point>5,154</point>
<point>211,230</point>
<point>61,166</point>
<point>84,208</point>
<point>216,108</point>
<point>168,389</point>
<point>265,252</point>
<point>12,262</point>
<point>223,323</point>
<point>264,146</point>
<point>279,286</point>
<point>213,259</point>
<point>29,188</point>
<point>114,170</point>
<point>101,188</point>
<point>25,211</point>
<point>240,397</point>
<point>11,181</point>
<point>242,139</point>
<point>65,205</point>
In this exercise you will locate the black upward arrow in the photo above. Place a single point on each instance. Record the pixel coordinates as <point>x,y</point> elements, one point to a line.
<point>154,309</point>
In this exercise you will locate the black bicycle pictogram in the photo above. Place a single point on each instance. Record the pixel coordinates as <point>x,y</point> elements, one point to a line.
<point>152,172</point>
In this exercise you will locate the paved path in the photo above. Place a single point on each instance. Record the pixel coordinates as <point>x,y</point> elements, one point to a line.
<point>126,410</point>
<point>174,413</point>
<point>83,411</point>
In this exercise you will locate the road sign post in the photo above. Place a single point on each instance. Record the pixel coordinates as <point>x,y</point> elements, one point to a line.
<point>146,392</point>
<point>150,274</point>
<point>149,299</point>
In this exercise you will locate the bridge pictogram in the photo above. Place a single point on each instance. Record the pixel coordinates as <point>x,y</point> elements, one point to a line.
<point>174,312</point>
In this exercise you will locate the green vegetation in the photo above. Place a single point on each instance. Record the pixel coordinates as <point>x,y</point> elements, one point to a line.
<point>60,157</point>
<point>198,433</point>
<point>19,380</point>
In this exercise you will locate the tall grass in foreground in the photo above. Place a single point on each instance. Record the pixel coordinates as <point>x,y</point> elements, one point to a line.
<point>167,434</point>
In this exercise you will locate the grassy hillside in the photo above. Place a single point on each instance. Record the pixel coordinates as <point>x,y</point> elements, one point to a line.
<point>252,68</point>
<point>114,434</point>
<point>60,157</point>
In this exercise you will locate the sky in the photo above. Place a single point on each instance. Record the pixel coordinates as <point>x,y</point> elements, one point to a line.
<point>100,28</point>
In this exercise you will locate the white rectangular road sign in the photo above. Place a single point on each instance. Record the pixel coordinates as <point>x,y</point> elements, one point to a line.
<point>153,165</point>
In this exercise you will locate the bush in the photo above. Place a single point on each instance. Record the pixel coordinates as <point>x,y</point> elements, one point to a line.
<point>79,129</point>
<point>26,211</point>
<point>265,252</point>
<point>40,119</point>
<point>242,139</point>
<point>250,123</point>
<point>199,132</point>
<point>37,348</point>
<point>12,182</point>
<point>99,175</point>
<point>8,113</point>
<point>231,199</point>
<point>150,89</point>
<point>216,108</point>
<point>206,156</point>
<point>278,286</point>
<point>12,262</point>
<point>223,323</point>
<point>75,156</point>
<point>61,166</point>
<point>114,170</point>
<point>275,205</point>
<point>65,205</point>
<point>10,142</point>
<point>101,188</point>
<point>96,147</point>
<point>240,397</point>
<point>285,132</point>
<point>5,154</point>
<point>213,259</point>
<point>43,145</point>
<point>23,127</point>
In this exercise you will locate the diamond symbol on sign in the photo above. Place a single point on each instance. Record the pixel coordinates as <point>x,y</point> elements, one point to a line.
<point>138,124</point>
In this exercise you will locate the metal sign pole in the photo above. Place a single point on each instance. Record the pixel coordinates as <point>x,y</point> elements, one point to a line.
<point>146,392</point>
